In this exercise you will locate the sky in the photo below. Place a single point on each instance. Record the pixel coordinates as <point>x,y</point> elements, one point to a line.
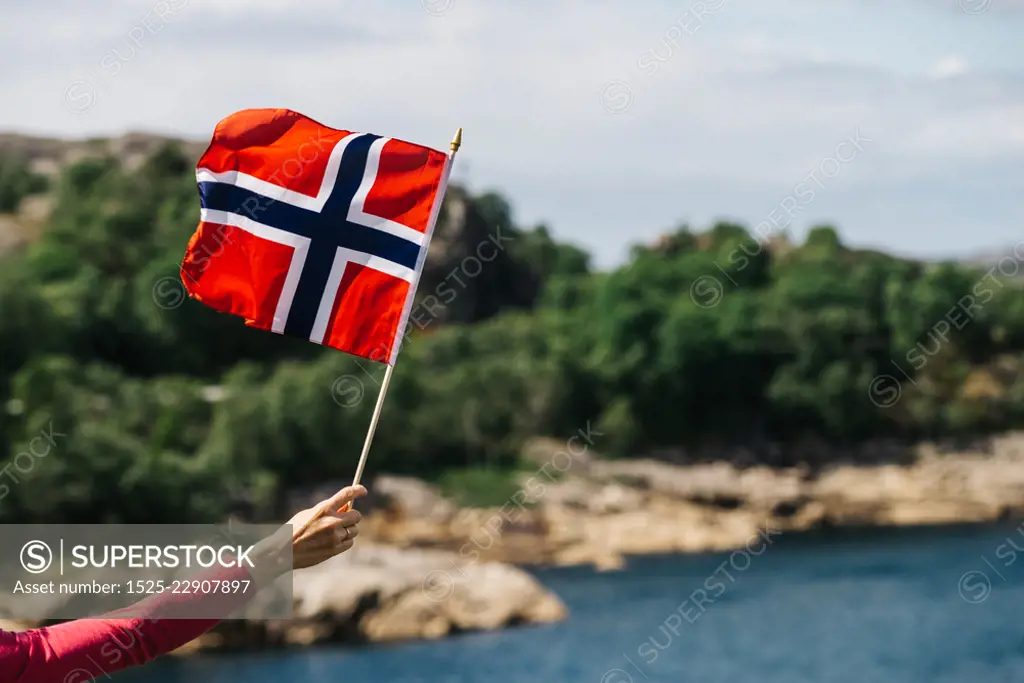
<point>900,122</point>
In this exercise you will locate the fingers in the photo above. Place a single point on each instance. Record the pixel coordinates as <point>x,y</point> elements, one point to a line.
<point>330,530</point>
<point>345,519</point>
<point>345,533</point>
<point>342,500</point>
<point>337,504</point>
<point>350,518</point>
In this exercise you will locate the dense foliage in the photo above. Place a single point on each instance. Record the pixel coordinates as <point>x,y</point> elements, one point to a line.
<point>123,402</point>
<point>16,183</point>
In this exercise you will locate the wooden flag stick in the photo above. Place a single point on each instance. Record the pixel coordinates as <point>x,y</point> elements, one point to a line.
<point>373,424</point>
<point>454,147</point>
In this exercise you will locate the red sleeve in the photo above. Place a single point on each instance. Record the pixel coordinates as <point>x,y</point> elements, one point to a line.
<point>79,651</point>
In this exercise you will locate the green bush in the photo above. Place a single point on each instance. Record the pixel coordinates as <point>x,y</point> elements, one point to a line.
<point>175,413</point>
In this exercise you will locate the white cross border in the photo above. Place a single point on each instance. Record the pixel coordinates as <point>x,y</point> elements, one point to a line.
<point>343,256</point>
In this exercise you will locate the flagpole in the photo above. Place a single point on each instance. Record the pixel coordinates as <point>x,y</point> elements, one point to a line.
<point>453,149</point>
<point>373,424</point>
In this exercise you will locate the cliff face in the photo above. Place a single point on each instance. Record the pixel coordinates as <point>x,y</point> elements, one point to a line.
<point>471,272</point>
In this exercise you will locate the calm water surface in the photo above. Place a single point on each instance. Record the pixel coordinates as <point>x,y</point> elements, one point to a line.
<point>918,606</point>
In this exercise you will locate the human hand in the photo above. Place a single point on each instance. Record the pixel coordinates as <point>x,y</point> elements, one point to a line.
<point>314,535</point>
<point>326,529</point>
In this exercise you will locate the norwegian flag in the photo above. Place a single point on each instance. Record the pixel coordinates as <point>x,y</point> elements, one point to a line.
<point>313,232</point>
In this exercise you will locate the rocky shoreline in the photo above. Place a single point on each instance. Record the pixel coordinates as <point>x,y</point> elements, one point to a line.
<point>381,594</point>
<point>588,511</point>
<point>376,593</point>
<point>425,568</point>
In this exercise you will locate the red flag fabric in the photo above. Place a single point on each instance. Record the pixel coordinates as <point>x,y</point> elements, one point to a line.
<point>312,231</point>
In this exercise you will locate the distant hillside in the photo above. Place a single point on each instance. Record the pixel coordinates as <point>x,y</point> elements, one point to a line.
<point>466,226</point>
<point>48,156</point>
<point>702,347</point>
<point>987,259</point>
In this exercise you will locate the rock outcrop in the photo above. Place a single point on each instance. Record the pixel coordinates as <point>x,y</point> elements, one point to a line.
<point>600,511</point>
<point>469,273</point>
<point>376,593</point>
<point>47,156</point>
<point>379,594</point>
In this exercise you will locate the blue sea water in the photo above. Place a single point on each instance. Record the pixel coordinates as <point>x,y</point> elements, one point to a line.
<point>901,606</point>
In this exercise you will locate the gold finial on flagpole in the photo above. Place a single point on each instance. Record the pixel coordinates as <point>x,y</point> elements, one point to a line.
<point>456,141</point>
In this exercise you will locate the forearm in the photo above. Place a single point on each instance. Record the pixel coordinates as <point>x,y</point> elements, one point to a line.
<point>92,648</point>
<point>85,649</point>
<point>217,592</point>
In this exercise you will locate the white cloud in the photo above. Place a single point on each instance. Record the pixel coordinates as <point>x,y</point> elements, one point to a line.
<point>979,134</point>
<point>737,110</point>
<point>949,67</point>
